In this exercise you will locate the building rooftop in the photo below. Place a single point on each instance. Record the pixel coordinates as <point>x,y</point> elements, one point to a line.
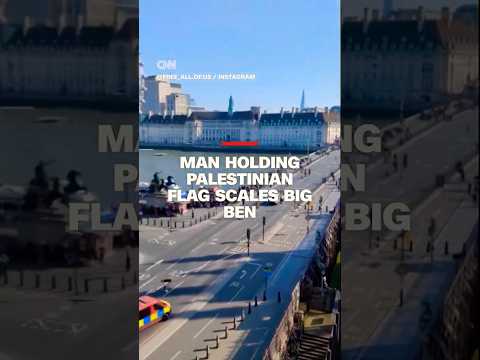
<point>267,119</point>
<point>91,36</point>
<point>405,34</point>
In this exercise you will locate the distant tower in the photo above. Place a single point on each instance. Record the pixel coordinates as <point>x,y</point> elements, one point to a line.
<point>302,102</point>
<point>230,106</point>
<point>141,87</point>
<point>387,8</point>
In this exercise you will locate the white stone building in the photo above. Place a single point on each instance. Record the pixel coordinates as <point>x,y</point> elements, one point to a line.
<point>69,63</point>
<point>162,96</point>
<point>305,131</point>
<point>406,63</point>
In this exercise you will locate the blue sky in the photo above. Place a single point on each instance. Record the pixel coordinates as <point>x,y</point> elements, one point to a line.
<point>289,45</point>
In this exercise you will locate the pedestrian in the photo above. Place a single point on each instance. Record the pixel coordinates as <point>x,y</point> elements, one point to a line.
<point>127,262</point>
<point>4,260</point>
<point>432,228</point>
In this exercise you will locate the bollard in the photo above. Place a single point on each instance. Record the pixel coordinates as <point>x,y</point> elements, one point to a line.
<point>446,248</point>
<point>395,244</point>
<point>216,340</point>
<point>206,349</point>
<point>226,332</point>
<point>21,277</point>
<point>190,222</point>
<point>175,225</point>
<point>256,301</point>
<point>411,246</point>
<point>37,281</point>
<point>401,297</point>
<point>209,214</point>
<point>70,283</point>
<point>54,282</point>
<point>161,223</point>
<point>242,316</point>
<point>168,223</point>
<point>249,307</point>
<point>234,323</point>
<point>105,287</point>
<point>86,285</point>
<point>123,282</point>
<point>279,298</point>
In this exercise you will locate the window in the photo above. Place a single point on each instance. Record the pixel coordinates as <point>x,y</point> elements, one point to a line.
<point>427,77</point>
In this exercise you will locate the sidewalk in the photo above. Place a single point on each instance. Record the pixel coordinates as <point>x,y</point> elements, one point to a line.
<point>372,322</point>
<point>92,279</point>
<point>412,128</point>
<point>253,335</point>
<point>400,329</point>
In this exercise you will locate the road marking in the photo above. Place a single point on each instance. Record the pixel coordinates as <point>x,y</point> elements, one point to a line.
<point>175,263</point>
<point>176,286</point>
<point>238,292</point>
<point>197,247</point>
<point>244,273</point>
<point>176,355</point>
<point>155,264</point>
<point>149,281</point>
<point>205,326</point>
<point>255,272</point>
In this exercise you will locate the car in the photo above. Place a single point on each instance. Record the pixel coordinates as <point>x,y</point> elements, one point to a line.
<point>152,310</point>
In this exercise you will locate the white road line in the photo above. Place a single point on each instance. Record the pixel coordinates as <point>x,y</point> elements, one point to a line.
<point>148,282</point>
<point>155,264</point>
<point>176,355</point>
<point>205,326</point>
<point>244,273</point>
<point>175,263</point>
<point>201,267</point>
<point>176,286</point>
<point>197,247</point>
<point>255,272</point>
<point>238,292</point>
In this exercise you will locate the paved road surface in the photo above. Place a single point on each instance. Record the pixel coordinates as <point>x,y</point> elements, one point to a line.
<point>212,275</point>
<point>370,280</point>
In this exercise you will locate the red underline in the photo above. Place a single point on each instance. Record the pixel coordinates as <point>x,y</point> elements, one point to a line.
<point>239,143</point>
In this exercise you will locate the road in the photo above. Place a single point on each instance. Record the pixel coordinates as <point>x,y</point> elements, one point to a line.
<point>370,282</point>
<point>212,276</point>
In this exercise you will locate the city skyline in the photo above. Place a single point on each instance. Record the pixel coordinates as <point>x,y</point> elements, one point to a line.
<point>269,43</point>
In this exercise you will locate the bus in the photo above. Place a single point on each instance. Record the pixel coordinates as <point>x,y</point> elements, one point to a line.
<point>152,310</point>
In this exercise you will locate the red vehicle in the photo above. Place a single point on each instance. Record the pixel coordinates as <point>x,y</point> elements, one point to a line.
<point>152,310</point>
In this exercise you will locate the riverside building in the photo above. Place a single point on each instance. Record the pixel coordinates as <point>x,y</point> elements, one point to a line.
<point>283,131</point>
